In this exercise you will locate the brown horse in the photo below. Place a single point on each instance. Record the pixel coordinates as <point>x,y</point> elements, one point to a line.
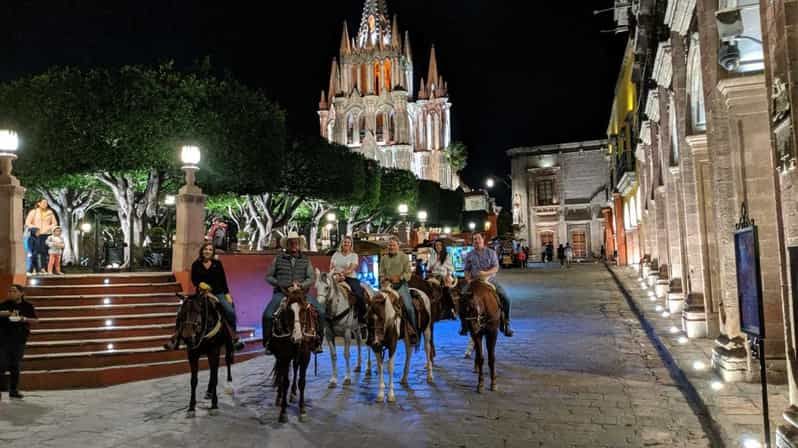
<point>294,338</point>
<point>482,315</point>
<point>200,326</point>
<point>441,298</point>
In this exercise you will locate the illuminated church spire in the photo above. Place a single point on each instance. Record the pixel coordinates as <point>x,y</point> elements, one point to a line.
<point>375,26</point>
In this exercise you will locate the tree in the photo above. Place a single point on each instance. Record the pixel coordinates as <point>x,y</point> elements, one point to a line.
<point>457,156</point>
<point>362,212</point>
<point>451,207</point>
<point>429,199</point>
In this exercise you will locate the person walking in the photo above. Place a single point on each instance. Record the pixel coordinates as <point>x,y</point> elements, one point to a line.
<point>561,255</point>
<point>290,270</point>
<point>569,254</point>
<point>16,316</point>
<point>55,248</point>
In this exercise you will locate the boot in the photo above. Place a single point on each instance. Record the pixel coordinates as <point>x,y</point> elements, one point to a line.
<point>508,331</point>
<point>463,330</point>
<point>172,344</point>
<point>412,334</point>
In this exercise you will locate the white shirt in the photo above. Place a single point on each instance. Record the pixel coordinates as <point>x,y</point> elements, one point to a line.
<point>444,269</point>
<point>341,263</point>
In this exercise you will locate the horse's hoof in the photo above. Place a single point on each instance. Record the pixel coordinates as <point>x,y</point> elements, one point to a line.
<point>480,388</point>
<point>380,398</point>
<point>332,384</point>
<point>191,413</point>
<point>494,387</point>
<point>430,379</point>
<point>467,355</point>
<point>228,390</point>
<point>292,398</point>
<point>391,398</point>
<point>208,396</point>
<point>213,411</point>
<point>303,417</point>
<point>357,369</point>
<point>283,418</point>
<point>347,382</point>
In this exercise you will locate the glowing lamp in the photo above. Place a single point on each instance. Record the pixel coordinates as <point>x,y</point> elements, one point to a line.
<point>85,227</point>
<point>9,141</point>
<point>169,199</point>
<point>447,230</point>
<point>403,209</point>
<point>422,216</point>
<point>331,217</point>
<point>190,155</point>
<point>490,183</point>
<point>472,225</point>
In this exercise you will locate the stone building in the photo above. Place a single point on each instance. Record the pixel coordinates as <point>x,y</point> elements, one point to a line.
<point>371,104</point>
<point>714,81</point>
<point>558,193</point>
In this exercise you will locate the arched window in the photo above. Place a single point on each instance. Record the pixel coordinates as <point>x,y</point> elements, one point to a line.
<point>698,114</point>
<point>388,75</point>
<point>392,128</point>
<point>674,129</point>
<point>362,127</point>
<point>377,78</point>
<point>350,130</point>
<point>364,81</point>
<point>421,134</point>
<point>429,129</point>
<point>436,131</point>
<point>380,129</point>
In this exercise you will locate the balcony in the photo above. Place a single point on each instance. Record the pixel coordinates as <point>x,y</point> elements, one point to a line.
<point>624,174</point>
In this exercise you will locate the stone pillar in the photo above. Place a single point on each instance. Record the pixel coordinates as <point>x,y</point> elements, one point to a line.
<point>189,231</point>
<point>620,231</point>
<point>12,253</point>
<point>750,172</point>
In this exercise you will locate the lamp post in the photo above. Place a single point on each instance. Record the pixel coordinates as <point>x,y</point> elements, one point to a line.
<point>404,228</point>
<point>472,225</point>
<point>11,193</point>
<point>189,218</point>
<point>490,182</point>
<point>332,224</point>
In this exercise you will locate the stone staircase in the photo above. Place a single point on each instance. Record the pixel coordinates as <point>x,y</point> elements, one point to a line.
<point>97,330</point>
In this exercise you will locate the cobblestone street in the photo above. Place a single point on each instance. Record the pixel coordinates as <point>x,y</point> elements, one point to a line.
<point>579,372</point>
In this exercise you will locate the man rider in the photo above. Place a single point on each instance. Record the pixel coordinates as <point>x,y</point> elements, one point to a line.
<point>395,269</point>
<point>482,263</point>
<point>290,269</point>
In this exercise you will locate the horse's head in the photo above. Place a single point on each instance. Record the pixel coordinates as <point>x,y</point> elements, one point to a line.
<point>190,317</point>
<point>295,315</point>
<point>383,314</point>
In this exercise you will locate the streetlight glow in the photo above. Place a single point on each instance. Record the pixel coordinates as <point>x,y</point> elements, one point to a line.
<point>472,225</point>
<point>403,209</point>
<point>9,141</point>
<point>169,199</point>
<point>490,183</point>
<point>447,230</point>
<point>422,216</point>
<point>331,217</point>
<point>190,155</point>
<point>85,227</point>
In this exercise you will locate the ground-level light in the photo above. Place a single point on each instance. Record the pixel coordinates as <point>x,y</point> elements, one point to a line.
<point>698,365</point>
<point>751,443</point>
<point>447,230</point>
<point>682,339</point>
<point>190,155</point>
<point>674,329</point>
<point>85,227</point>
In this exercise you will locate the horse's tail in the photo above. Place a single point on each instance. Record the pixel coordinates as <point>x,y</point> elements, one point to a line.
<point>274,375</point>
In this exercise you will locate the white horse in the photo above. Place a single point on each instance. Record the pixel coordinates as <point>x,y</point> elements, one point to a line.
<point>383,309</point>
<point>343,323</point>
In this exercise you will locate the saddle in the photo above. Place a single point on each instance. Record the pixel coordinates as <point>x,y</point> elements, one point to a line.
<point>348,291</point>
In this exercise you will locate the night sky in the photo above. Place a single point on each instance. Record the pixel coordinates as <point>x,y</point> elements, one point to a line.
<point>519,72</point>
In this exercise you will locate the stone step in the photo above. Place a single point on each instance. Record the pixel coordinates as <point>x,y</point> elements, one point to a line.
<point>103,332</point>
<point>106,310</point>
<point>101,299</point>
<point>101,279</point>
<point>112,320</point>
<point>110,289</point>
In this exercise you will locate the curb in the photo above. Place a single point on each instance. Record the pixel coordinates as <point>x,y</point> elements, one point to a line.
<point>712,429</point>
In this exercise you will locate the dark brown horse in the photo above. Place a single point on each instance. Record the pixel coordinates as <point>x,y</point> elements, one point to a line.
<point>295,336</point>
<point>201,327</point>
<point>482,315</point>
<point>441,298</point>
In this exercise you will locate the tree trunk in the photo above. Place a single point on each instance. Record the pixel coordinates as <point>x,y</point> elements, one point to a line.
<point>318,210</point>
<point>70,206</point>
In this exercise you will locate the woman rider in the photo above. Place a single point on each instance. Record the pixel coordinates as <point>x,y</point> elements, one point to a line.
<point>344,265</point>
<point>207,269</point>
<point>441,267</point>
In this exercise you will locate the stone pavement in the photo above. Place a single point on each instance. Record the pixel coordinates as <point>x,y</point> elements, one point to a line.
<point>735,409</point>
<point>579,372</point>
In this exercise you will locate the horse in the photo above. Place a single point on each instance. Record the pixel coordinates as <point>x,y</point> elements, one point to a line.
<point>201,327</point>
<point>482,315</point>
<point>386,324</point>
<point>294,338</point>
<point>342,320</point>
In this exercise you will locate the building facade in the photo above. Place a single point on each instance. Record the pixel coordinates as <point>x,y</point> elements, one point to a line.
<point>714,140</point>
<point>372,106</point>
<point>558,194</point>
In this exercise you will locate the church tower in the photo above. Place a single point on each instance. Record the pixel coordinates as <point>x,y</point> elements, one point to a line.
<point>370,106</point>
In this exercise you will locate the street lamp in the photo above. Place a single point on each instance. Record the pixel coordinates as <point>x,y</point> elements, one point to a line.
<point>169,199</point>
<point>9,143</point>
<point>447,230</point>
<point>190,156</point>
<point>403,209</point>
<point>487,225</point>
<point>422,217</point>
<point>472,225</point>
<point>85,227</point>
<point>331,217</point>
<point>491,182</point>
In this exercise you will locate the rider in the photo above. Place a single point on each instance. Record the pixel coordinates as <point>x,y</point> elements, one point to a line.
<point>344,265</point>
<point>291,269</point>
<point>441,267</point>
<point>208,270</point>
<point>483,264</point>
<point>395,268</point>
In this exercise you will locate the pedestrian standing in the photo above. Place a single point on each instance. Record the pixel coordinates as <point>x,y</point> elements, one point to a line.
<point>603,253</point>
<point>550,252</point>
<point>43,218</point>
<point>16,316</point>
<point>561,255</point>
<point>569,254</point>
<point>55,248</point>
<point>522,258</point>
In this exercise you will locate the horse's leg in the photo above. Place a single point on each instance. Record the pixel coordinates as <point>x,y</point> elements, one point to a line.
<point>303,370</point>
<point>492,337</point>
<point>432,344</point>
<point>408,354</point>
<point>229,359</point>
<point>278,380</point>
<point>469,349</point>
<point>213,364</point>
<point>381,392</point>
<point>347,345</point>
<point>283,391</point>
<point>359,341</point>
<point>391,395</point>
<point>295,367</point>
<point>333,358</point>
<point>368,362</point>
<point>479,361</point>
<point>193,362</point>
<point>428,351</point>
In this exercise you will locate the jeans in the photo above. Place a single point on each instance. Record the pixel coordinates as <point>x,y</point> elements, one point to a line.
<point>268,314</point>
<point>503,297</point>
<point>404,293</point>
<point>11,352</point>
<point>229,311</point>
<point>357,290</point>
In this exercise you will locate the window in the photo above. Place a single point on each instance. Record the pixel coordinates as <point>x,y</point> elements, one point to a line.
<point>546,238</point>
<point>362,127</point>
<point>545,192</point>
<point>674,133</point>
<point>380,131</point>
<point>698,112</point>
<point>388,75</point>
<point>579,244</point>
<point>350,130</point>
<point>392,128</point>
<point>377,78</point>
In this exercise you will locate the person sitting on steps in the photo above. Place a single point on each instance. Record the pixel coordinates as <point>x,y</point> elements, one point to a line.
<point>395,269</point>
<point>290,269</point>
<point>343,266</point>
<point>483,264</point>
